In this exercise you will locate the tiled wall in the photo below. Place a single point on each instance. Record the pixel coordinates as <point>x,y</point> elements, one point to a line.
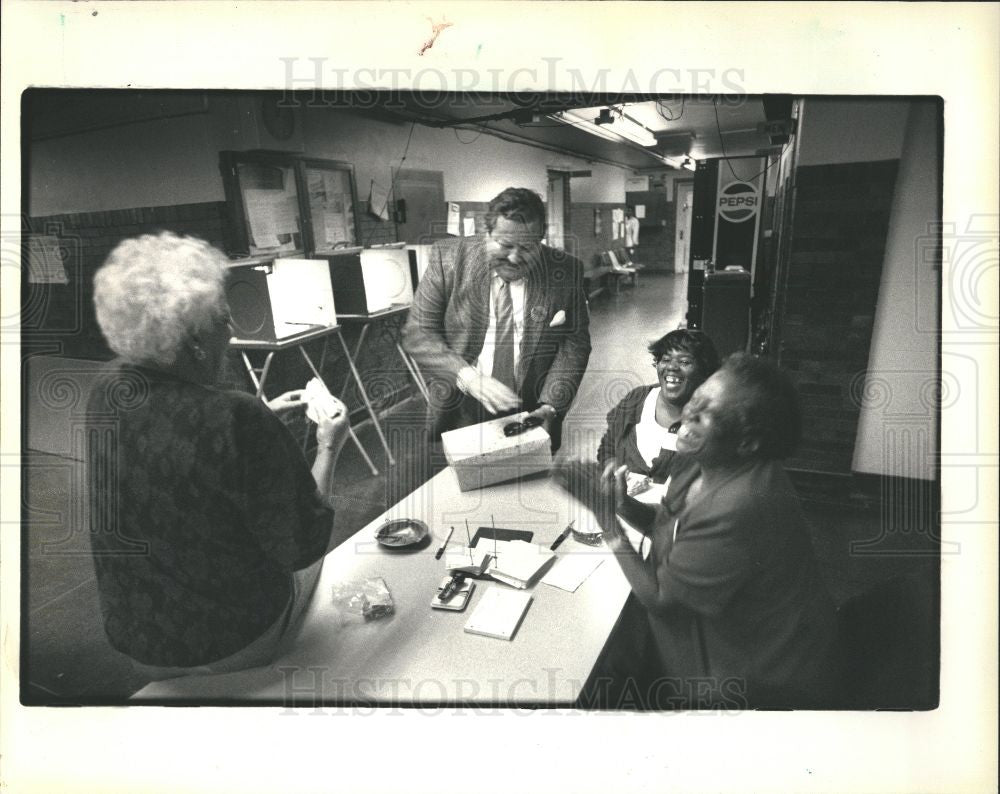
<point>839,226</point>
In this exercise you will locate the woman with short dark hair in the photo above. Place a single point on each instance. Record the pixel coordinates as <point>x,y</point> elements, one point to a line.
<point>737,611</point>
<point>642,428</point>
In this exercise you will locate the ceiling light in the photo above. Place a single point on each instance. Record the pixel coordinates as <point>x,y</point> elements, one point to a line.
<point>615,130</point>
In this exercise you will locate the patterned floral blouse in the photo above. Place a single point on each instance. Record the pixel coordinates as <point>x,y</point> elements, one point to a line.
<point>201,507</point>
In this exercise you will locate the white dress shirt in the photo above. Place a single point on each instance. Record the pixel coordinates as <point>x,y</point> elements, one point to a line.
<point>485,361</point>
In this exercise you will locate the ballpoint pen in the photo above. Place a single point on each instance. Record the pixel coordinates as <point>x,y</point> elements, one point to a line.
<point>444,545</point>
<point>562,536</point>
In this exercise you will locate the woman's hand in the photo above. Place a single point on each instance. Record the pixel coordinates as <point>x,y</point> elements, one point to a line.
<point>287,401</point>
<point>598,489</point>
<point>332,424</point>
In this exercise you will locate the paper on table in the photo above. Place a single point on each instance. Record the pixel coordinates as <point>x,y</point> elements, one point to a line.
<point>572,570</point>
<point>499,613</point>
<point>513,562</point>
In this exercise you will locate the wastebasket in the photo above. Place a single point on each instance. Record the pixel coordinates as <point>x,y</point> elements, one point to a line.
<point>725,309</point>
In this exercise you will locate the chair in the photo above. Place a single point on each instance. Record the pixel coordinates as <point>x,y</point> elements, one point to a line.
<point>621,271</point>
<point>626,259</point>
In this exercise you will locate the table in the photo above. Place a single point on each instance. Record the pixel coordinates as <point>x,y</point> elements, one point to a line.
<point>420,655</point>
<point>258,375</point>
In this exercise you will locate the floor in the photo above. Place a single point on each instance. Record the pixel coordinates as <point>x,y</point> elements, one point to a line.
<point>65,657</point>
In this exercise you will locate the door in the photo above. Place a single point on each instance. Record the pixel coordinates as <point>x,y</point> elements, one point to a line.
<point>422,217</point>
<point>557,209</point>
<point>683,192</point>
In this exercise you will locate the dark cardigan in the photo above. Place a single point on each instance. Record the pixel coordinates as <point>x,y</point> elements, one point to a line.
<point>619,442</point>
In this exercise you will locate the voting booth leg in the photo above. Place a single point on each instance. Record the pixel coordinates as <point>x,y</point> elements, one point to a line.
<point>350,429</point>
<point>257,376</point>
<point>367,402</point>
<point>418,379</point>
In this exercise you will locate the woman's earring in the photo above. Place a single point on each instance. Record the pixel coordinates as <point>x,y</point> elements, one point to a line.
<point>199,354</point>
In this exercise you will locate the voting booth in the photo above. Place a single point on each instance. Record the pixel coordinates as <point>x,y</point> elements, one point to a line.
<point>271,301</point>
<point>490,453</point>
<point>370,280</point>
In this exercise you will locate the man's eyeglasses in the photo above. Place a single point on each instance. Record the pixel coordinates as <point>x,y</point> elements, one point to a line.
<point>516,428</point>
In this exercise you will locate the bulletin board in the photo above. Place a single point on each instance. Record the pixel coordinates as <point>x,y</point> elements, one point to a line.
<point>331,197</point>
<point>282,204</point>
<point>265,207</point>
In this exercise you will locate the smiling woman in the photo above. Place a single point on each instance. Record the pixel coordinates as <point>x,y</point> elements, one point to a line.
<point>735,611</point>
<point>642,428</point>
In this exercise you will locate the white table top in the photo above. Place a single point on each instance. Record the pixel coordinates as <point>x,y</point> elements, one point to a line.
<point>421,655</point>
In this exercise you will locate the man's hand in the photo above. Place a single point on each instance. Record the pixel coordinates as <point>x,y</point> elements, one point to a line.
<point>546,413</point>
<point>494,395</point>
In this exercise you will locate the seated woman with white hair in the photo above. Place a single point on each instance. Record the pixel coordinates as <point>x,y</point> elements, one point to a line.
<point>208,527</point>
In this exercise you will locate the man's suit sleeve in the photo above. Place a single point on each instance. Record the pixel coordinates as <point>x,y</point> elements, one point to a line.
<point>424,333</point>
<point>571,358</point>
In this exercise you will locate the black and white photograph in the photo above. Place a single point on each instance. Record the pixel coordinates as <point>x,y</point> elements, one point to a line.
<point>390,402</point>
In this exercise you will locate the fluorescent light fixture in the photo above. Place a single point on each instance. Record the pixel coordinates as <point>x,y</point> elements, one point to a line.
<point>619,128</point>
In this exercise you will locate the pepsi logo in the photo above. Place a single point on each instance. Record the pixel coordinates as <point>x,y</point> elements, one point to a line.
<point>738,202</point>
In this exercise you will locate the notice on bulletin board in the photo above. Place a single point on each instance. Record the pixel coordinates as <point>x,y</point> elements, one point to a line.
<point>468,227</point>
<point>640,211</point>
<point>454,219</point>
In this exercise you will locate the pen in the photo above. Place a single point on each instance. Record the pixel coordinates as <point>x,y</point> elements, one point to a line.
<point>562,536</point>
<point>440,551</point>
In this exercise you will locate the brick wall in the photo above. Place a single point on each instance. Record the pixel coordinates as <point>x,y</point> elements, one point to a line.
<point>62,316</point>
<point>656,242</point>
<point>838,232</point>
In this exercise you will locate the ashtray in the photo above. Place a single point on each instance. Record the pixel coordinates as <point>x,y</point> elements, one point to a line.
<point>401,532</point>
<point>588,538</point>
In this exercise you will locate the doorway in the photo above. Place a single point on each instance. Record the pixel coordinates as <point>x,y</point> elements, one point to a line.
<point>683,199</point>
<point>557,209</point>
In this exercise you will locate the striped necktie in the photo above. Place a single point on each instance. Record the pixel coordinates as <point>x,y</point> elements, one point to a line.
<point>503,353</point>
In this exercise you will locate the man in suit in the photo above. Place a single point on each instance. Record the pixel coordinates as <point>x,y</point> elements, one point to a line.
<point>499,323</point>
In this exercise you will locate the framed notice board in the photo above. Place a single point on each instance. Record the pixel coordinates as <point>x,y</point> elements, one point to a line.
<point>263,194</point>
<point>330,199</point>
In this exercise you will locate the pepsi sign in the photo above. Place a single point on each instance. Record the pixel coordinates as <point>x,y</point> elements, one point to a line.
<point>738,202</point>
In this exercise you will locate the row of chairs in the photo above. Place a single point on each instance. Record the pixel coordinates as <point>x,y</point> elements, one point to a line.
<point>616,265</point>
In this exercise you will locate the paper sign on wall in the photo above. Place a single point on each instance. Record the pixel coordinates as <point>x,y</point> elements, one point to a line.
<point>640,211</point>
<point>45,260</point>
<point>454,218</point>
<point>468,227</point>
<point>617,219</point>
<point>378,201</point>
